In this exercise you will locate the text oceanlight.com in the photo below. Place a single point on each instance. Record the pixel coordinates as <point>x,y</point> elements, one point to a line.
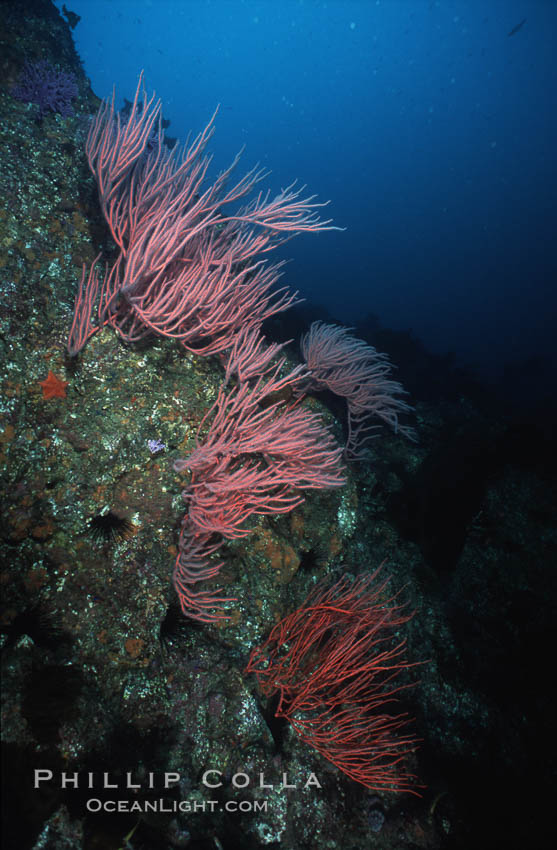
<point>165,806</point>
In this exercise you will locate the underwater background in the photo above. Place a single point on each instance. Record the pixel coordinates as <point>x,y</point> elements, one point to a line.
<point>431,126</point>
<point>430,130</point>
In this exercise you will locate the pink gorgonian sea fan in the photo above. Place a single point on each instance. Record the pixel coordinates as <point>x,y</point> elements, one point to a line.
<point>258,455</point>
<point>351,368</point>
<point>192,247</point>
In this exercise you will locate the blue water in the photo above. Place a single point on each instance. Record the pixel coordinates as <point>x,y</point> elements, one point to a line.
<point>432,131</point>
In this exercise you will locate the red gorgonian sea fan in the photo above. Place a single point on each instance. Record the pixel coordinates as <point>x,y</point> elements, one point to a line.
<point>334,666</point>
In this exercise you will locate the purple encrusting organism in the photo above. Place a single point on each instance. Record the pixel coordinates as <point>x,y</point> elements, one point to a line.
<point>41,83</point>
<point>376,819</point>
<point>155,446</point>
<point>375,814</point>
